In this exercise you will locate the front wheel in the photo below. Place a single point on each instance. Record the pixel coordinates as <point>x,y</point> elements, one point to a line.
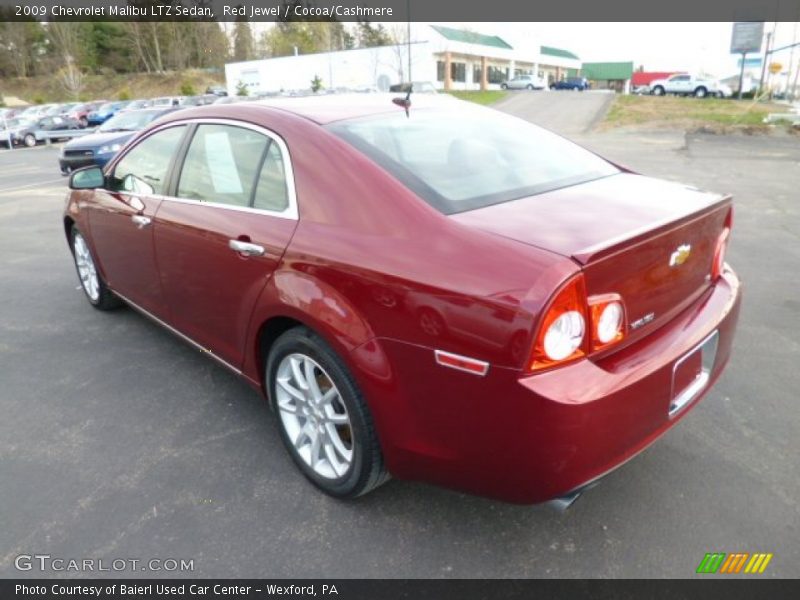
<point>29,140</point>
<point>323,419</point>
<point>658,91</point>
<point>92,283</point>
<point>503,86</point>
<point>701,92</point>
<point>530,86</point>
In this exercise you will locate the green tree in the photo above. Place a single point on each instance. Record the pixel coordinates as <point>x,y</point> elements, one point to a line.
<point>243,43</point>
<point>372,35</point>
<point>21,45</point>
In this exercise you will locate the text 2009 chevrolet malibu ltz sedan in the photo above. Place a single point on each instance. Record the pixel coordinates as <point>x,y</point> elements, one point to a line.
<point>444,294</point>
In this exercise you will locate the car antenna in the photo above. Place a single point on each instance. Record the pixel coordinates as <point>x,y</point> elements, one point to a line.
<point>405,102</point>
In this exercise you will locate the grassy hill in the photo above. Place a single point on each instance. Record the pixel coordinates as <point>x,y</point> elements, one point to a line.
<point>36,90</point>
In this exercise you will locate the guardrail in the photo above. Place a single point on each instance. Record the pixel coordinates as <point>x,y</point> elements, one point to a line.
<point>48,136</point>
<point>61,134</point>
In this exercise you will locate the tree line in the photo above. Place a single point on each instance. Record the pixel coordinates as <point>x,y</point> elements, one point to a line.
<point>75,49</point>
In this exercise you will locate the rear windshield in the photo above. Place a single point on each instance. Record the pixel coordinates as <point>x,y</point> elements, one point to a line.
<point>465,159</point>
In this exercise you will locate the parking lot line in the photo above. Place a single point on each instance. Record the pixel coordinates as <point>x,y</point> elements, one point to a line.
<point>30,185</point>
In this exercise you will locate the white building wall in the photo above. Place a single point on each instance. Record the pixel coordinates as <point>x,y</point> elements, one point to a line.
<point>385,66</point>
<point>364,67</point>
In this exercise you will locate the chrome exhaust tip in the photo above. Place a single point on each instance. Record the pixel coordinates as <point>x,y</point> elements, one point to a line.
<point>564,502</point>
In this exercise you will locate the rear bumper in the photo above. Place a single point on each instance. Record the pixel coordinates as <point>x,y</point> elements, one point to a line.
<point>543,436</point>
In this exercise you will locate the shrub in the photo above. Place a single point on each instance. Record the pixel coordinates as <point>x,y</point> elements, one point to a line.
<point>38,99</point>
<point>241,89</point>
<point>316,84</point>
<point>124,94</point>
<point>187,89</point>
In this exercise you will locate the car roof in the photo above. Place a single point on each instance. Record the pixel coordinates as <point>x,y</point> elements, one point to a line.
<point>324,109</point>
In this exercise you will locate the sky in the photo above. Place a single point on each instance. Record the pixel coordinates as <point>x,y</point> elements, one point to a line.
<point>694,47</point>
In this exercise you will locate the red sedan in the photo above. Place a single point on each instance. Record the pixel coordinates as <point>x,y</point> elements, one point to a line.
<point>438,292</point>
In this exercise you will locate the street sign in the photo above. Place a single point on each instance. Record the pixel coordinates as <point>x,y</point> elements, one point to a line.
<point>750,63</point>
<point>747,37</point>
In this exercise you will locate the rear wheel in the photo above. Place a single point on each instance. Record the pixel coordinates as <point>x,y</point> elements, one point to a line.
<point>530,86</point>
<point>658,91</point>
<point>29,140</point>
<point>503,86</point>
<point>701,92</point>
<point>323,419</point>
<point>97,293</point>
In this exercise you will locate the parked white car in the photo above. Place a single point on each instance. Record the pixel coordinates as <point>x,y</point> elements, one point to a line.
<point>524,82</point>
<point>685,85</point>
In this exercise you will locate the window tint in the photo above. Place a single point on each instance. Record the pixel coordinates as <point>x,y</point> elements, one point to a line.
<point>467,158</point>
<point>222,164</point>
<point>143,170</point>
<point>271,192</point>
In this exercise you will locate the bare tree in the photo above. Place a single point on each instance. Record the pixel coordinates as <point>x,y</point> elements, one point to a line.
<point>71,78</point>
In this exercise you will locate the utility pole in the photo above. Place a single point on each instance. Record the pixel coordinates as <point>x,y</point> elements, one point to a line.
<point>764,63</point>
<point>408,41</point>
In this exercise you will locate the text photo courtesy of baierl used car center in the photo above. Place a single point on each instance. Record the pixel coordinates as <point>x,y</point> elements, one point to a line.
<point>351,296</point>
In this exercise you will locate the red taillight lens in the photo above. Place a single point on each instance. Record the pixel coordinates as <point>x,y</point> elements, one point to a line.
<point>607,313</point>
<point>562,333</point>
<point>719,254</point>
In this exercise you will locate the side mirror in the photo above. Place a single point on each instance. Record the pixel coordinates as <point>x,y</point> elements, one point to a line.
<point>87,178</point>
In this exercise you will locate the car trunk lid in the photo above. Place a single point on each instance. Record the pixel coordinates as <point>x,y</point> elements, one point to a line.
<point>650,241</point>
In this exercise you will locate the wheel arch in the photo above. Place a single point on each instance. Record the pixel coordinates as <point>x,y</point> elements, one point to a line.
<point>69,223</point>
<point>293,299</point>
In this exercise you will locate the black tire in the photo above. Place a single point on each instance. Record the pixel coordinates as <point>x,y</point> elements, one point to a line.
<point>366,470</point>
<point>658,91</point>
<point>106,299</point>
<point>29,140</point>
<point>503,86</point>
<point>530,86</point>
<point>84,123</point>
<point>553,87</point>
<point>700,92</point>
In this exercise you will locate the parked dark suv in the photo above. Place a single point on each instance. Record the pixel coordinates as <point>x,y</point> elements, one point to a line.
<point>571,83</point>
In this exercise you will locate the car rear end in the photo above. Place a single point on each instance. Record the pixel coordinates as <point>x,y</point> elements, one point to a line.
<point>621,343</point>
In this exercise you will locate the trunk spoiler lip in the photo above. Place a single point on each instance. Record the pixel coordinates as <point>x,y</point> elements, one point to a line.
<point>628,240</point>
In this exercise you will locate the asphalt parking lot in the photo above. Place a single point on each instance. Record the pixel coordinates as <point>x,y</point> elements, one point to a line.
<point>117,440</point>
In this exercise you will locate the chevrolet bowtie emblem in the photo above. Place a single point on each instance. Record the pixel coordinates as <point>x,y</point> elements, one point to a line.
<point>680,255</point>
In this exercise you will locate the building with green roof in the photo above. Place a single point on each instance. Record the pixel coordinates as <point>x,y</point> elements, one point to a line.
<point>449,58</point>
<point>609,75</point>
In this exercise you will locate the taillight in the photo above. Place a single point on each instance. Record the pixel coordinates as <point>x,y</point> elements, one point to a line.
<point>562,333</point>
<point>719,254</point>
<point>607,313</point>
<point>575,326</point>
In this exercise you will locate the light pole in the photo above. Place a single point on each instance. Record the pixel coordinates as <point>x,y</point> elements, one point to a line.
<point>408,36</point>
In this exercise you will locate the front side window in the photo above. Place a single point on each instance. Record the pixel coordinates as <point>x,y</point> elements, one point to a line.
<point>143,170</point>
<point>233,165</point>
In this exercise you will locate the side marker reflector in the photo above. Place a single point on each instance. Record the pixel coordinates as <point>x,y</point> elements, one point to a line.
<point>461,363</point>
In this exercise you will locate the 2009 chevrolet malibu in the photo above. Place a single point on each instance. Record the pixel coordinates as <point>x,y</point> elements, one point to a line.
<point>438,291</point>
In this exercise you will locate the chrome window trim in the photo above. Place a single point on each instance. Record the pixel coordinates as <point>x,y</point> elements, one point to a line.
<point>291,212</point>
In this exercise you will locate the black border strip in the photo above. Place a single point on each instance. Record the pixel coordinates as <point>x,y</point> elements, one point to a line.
<point>731,588</point>
<point>399,10</point>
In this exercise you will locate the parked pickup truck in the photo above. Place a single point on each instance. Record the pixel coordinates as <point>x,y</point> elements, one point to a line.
<point>686,85</point>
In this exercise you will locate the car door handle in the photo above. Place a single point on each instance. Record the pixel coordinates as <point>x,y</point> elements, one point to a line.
<point>246,248</point>
<point>141,221</point>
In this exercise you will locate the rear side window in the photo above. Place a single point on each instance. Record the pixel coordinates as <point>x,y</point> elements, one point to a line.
<point>271,192</point>
<point>233,165</point>
<point>143,170</point>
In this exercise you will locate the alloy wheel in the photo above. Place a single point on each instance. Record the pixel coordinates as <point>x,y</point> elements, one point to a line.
<point>314,416</point>
<point>86,269</point>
